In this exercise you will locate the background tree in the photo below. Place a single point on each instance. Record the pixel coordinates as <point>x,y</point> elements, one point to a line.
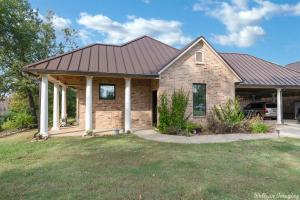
<point>26,37</point>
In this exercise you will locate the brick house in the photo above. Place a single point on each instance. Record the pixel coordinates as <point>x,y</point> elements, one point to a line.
<point>118,86</point>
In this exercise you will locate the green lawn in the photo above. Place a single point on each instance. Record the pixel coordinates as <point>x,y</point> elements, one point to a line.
<point>126,167</point>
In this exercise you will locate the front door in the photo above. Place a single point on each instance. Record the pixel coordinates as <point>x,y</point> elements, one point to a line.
<point>154,108</point>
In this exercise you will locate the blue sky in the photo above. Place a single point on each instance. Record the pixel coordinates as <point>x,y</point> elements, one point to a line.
<point>267,29</point>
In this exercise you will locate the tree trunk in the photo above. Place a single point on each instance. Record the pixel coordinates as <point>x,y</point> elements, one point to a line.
<point>32,107</point>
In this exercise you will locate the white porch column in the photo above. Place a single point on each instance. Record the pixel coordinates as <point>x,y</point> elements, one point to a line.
<point>63,103</point>
<point>44,106</point>
<point>279,106</point>
<point>55,107</point>
<point>77,107</point>
<point>127,104</point>
<point>89,104</point>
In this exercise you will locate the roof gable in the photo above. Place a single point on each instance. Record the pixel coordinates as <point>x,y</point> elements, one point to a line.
<point>189,47</point>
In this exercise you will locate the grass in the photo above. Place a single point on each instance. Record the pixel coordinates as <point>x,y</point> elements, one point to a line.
<point>127,167</point>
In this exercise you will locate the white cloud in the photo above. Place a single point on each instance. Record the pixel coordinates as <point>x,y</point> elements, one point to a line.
<point>242,19</point>
<point>85,36</point>
<point>243,38</point>
<point>60,22</point>
<point>117,32</point>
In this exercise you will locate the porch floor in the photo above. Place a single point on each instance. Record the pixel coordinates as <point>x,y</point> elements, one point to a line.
<point>76,131</point>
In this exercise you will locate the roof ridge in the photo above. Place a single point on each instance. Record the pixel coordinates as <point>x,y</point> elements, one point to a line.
<point>234,53</point>
<point>133,40</point>
<point>161,42</point>
<point>281,66</point>
<point>292,63</point>
<point>266,61</point>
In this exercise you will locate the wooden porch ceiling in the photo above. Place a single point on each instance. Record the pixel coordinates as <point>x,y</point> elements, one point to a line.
<point>265,92</point>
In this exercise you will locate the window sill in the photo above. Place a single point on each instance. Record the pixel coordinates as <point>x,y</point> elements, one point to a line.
<point>204,116</point>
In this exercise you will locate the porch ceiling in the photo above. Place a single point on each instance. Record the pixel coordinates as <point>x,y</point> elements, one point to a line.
<point>265,92</point>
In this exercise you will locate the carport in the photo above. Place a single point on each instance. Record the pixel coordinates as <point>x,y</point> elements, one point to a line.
<point>287,99</point>
<point>266,81</point>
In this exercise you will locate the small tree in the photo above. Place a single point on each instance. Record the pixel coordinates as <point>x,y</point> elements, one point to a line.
<point>164,113</point>
<point>179,105</point>
<point>174,116</point>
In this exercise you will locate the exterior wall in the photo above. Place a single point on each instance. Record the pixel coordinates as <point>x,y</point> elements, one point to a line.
<point>219,79</point>
<point>109,114</point>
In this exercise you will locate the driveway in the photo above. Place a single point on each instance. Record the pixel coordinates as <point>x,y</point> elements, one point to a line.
<point>290,130</point>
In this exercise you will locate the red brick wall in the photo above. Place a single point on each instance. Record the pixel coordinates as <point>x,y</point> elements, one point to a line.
<point>108,114</point>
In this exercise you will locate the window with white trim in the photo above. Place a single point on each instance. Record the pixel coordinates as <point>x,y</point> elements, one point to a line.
<point>199,57</point>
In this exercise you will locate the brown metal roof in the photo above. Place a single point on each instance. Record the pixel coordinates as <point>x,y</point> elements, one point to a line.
<point>143,56</point>
<point>258,72</point>
<point>146,56</point>
<point>294,66</point>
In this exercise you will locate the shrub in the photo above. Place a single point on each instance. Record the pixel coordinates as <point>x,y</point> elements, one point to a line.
<point>164,113</point>
<point>18,121</point>
<point>18,116</point>
<point>179,105</point>
<point>226,118</point>
<point>172,118</point>
<point>214,125</point>
<point>190,126</point>
<point>255,125</point>
<point>3,118</point>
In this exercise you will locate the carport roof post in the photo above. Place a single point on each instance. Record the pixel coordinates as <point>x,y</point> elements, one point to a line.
<point>279,106</point>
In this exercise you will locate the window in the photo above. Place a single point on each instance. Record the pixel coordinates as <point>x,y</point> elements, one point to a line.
<point>199,59</point>
<point>199,99</point>
<point>107,91</point>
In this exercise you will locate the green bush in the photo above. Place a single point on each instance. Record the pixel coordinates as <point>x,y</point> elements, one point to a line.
<point>18,115</point>
<point>172,118</point>
<point>164,113</point>
<point>18,121</point>
<point>226,118</point>
<point>179,105</point>
<point>257,126</point>
<point>190,126</point>
<point>3,118</point>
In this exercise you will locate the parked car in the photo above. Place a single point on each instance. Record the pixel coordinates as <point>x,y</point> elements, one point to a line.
<point>262,109</point>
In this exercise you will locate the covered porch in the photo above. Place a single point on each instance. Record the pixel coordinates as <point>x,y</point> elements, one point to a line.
<point>103,104</point>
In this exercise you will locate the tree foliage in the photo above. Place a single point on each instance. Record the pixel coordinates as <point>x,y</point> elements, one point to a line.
<point>26,37</point>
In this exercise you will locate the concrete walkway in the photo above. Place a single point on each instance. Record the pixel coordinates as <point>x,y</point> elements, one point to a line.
<point>201,139</point>
<point>290,130</point>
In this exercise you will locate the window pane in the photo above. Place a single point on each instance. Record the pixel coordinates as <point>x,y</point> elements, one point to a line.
<point>199,99</point>
<point>107,92</point>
